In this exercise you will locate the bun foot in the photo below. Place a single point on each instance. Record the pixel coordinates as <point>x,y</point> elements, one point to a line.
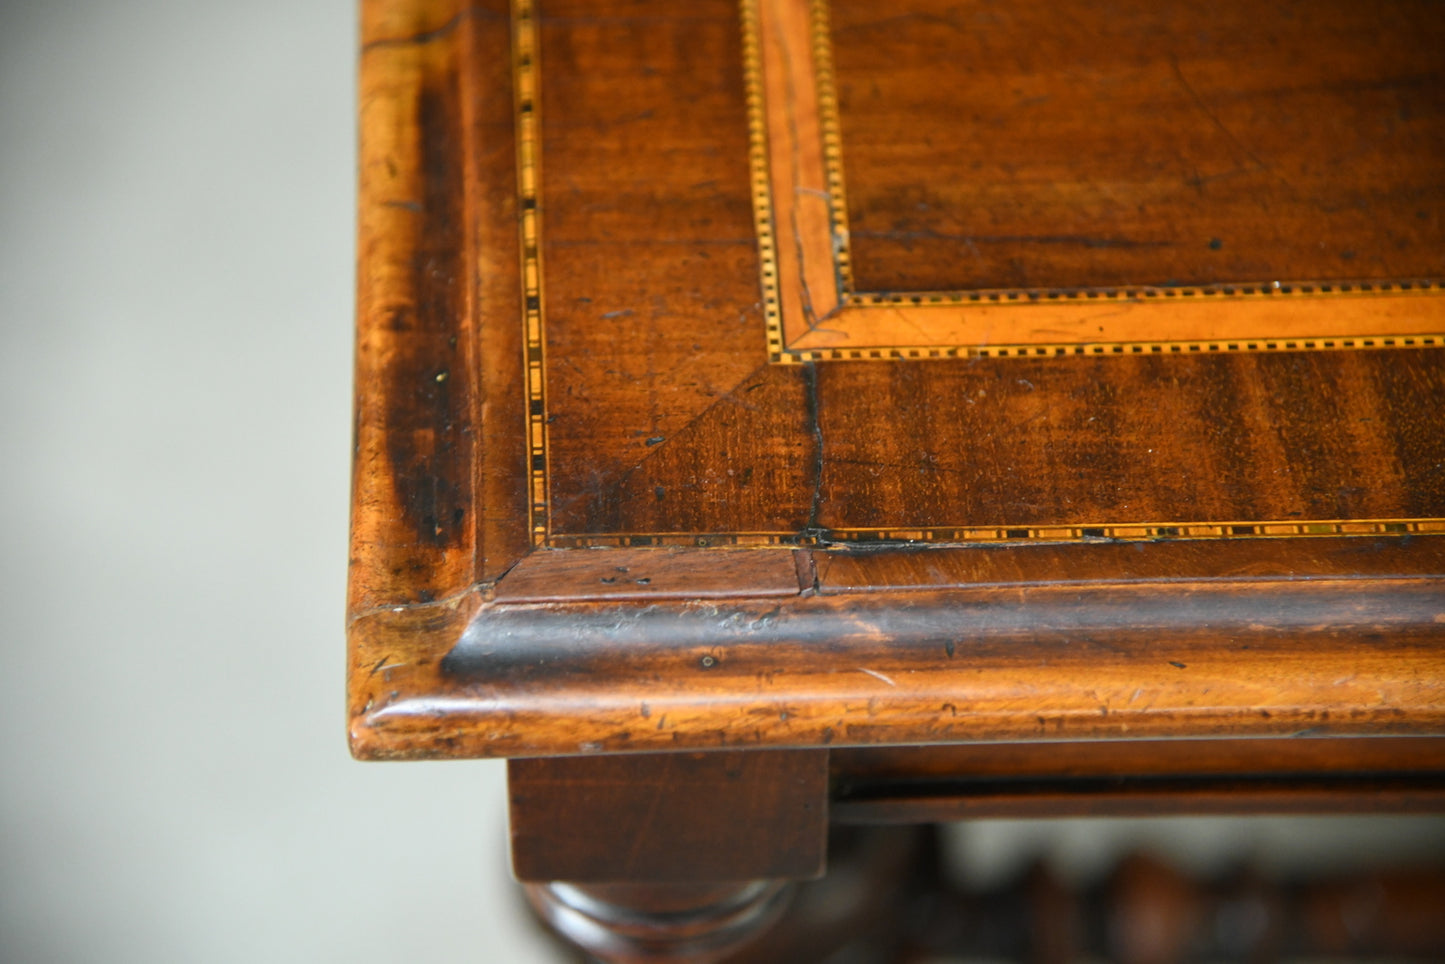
<point>626,923</point>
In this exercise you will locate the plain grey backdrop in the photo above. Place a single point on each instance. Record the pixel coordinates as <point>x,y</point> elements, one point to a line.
<point>176,263</point>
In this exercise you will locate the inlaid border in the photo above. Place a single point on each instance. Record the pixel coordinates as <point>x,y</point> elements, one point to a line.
<point>1116,348</point>
<point>813,312</point>
<point>1020,535</point>
<point>526,72</point>
<point>526,79</point>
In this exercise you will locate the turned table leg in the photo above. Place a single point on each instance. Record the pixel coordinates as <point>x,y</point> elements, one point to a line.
<point>627,923</point>
<point>669,856</point>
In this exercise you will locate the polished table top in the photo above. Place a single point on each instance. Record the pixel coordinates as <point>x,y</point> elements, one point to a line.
<point>799,374</point>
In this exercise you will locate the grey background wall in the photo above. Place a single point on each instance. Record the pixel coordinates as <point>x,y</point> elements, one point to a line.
<point>176,198</point>
<point>176,250</point>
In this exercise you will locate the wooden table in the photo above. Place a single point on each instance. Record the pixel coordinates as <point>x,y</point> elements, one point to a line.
<point>1083,453</point>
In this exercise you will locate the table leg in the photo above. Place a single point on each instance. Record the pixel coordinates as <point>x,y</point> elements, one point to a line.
<point>670,856</point>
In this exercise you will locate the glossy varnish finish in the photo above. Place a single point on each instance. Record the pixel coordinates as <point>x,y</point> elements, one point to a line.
<point>1137,143</point>
<point>1064,143</point>
<point>439,500</point>
<point>1135,644</point>
<point>1061,531</point>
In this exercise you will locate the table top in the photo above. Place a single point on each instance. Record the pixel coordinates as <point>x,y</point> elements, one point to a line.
<point>796,373</point>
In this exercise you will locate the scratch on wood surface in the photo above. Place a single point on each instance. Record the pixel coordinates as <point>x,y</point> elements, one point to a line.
<point>1219,125</point>
<point>876,675</point>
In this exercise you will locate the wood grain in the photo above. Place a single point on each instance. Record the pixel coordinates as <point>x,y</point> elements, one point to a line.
<point>653,315</point>
<point>1159,563</point>
<point>562,576</point>
<point>666,425</point>
<point>674,817</point>
<point>1153,320</point>
<point>923,91</point>
<point>914,445</point>
<point>1140,143</point>
<point>1358,656</point>
<point>796,132</point>
<point>439,479</point>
